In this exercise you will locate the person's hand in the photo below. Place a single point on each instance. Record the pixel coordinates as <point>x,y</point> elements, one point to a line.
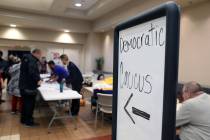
<point>39,82</point>
<point>50,81</point>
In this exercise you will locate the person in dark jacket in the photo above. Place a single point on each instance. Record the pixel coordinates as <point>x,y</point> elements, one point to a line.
<point>29,81</point>
<point>3,69</point>
<point>4,65</point>
<point>75,79</point>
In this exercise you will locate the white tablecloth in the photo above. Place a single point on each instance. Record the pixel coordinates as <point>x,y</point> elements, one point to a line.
<point>51,92</point>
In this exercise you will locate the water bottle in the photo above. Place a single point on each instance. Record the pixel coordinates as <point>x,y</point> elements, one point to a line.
<point>62,85</point>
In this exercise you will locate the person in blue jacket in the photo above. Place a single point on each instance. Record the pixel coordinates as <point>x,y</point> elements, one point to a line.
<point>75,79</point>
<point>58,72</point>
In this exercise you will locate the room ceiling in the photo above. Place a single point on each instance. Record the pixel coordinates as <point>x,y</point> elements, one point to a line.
<point>90,9</point>
<point>39,5</point>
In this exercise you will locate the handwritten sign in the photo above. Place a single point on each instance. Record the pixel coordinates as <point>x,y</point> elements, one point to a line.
<point>143,54</point>
<point>141,76</point>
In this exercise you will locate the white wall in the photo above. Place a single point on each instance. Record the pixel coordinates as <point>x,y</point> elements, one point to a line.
<point>108,42</point>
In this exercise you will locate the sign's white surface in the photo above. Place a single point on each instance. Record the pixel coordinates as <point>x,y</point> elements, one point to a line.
<point>141,81</point>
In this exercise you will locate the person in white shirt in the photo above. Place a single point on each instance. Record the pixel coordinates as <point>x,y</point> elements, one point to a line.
<point>193,117</point>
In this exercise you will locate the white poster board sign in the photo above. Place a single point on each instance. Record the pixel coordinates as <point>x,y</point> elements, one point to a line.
<point>141,80</point>
<point>145,75</point>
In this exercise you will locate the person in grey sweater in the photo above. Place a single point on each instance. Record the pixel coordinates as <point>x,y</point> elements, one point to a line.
<point>193,117</point>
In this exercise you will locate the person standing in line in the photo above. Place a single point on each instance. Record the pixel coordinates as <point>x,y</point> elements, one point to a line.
<point>3,65</point>
<point>11,62</point>
<point>29,81</point>
<point>75,79</point>
<point>13,86</point>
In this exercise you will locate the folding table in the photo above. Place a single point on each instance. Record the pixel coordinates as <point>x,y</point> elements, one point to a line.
<point>50,92</point>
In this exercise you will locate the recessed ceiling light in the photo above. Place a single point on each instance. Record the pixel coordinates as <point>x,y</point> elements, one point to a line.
<point>66,31</point>
<point>13,25</point>
<point>78,4</point>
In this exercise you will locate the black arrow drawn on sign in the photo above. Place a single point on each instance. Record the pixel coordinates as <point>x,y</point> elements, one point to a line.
<point>128,101</point>
<point>141,113</point>
<point>135,111</point>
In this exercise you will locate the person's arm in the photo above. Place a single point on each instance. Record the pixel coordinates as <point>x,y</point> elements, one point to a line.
<point>53,78</point>
<point>183,115</point>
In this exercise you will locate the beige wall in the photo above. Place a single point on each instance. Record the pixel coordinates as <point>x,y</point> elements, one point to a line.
<point>107,42</point>
<point>194,41</point>
<point>49,41</point>
<point>93,50</point>
<point>82,49</point>
<point>195,44</point>
<point>75,52</point>
<point>42,35</point>
<point>194,61</point>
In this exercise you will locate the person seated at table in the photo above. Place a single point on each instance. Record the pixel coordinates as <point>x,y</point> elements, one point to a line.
<point>193,116</point>
<point>101,76</point>
<point>75,79</point>
<point>58,72</point>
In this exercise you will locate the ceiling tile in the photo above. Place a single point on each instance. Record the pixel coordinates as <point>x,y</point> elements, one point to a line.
<point>38,5</point>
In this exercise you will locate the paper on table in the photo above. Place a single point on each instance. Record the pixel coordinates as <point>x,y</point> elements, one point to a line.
<point>52,86</point>
<point>51,92</point>
<point>43,76</point>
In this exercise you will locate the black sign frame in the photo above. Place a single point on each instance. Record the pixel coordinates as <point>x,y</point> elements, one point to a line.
<point>172,13</point>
